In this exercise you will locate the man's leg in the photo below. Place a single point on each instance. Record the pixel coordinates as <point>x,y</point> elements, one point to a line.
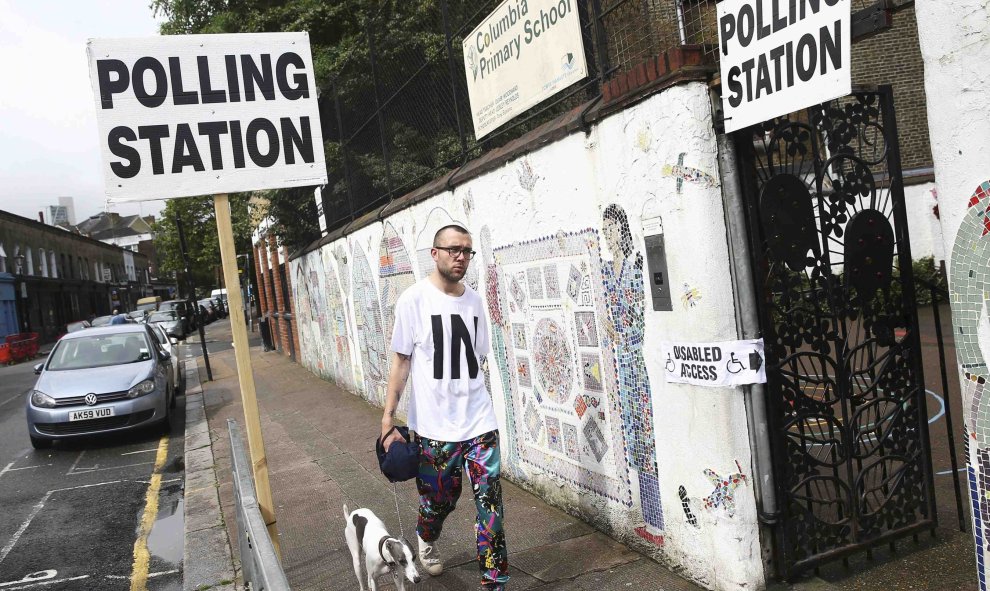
<point>439,485</point>
<point>481,456</point>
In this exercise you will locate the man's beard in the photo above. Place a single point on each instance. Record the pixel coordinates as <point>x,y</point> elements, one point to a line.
<point>451,275</point>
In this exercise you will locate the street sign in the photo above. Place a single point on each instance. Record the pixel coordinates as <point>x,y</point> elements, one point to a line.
<point>188,115</point>
<point>777,57</point>
<point>520,55</point>
<point>728,363</point>
<point>107,276</point>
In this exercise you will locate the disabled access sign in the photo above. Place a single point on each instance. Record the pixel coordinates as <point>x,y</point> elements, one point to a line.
<point>728,363</point>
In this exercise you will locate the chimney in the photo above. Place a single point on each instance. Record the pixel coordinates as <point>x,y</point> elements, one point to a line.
<point>41,217</point>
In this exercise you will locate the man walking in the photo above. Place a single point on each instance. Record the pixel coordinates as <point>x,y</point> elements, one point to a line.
<point>441,337</point>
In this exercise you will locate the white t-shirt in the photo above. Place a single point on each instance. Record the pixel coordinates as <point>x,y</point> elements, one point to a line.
<point>447,338</point>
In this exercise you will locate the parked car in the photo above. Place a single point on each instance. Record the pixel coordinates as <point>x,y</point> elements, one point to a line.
<point>138,316</point>
<point>171,345</point>
<point>221,305</point>
<point>77,325</point>
<point>209,310</point>
<point>101,380</point>
<point>184,312</point>
<point>170,322</point>
<point>101,321</point>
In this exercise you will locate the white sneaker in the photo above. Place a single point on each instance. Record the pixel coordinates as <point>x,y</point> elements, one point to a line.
<point>429,557</point>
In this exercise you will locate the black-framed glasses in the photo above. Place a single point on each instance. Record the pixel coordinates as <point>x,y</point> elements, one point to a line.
<point>455,252</point>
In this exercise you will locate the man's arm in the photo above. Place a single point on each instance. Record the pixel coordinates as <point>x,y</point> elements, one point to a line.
<point>397,376</point>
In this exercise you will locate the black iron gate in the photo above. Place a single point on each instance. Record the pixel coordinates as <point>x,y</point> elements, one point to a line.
<point>845,387</point>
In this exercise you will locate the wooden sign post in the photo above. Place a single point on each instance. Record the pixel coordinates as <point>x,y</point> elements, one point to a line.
<point>249,398</point>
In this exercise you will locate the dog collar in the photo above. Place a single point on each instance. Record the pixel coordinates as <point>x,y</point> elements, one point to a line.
<point>381,544</point>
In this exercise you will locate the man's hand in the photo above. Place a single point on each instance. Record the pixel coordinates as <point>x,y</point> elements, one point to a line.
<point>387,424</point>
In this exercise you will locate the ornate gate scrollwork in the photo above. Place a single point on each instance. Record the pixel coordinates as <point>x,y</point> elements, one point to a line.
<point>846,392</point>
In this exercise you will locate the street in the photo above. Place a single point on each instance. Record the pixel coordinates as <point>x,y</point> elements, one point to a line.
<point>92,513</point>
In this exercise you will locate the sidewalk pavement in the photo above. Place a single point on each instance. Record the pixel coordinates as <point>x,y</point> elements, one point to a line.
<point>320,446</point>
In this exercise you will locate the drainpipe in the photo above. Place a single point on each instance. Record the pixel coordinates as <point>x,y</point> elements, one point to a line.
<point>747,324</point>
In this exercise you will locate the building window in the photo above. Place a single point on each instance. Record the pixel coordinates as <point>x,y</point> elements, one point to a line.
<point>53,270</point>
<point>42,263</point>
<point>29,262</point>
<point>3,260</point>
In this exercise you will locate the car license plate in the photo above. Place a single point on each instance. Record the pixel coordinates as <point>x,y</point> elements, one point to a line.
<point>90,413</point>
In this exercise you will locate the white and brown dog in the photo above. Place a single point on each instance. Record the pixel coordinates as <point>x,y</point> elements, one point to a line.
<point>370,542</point>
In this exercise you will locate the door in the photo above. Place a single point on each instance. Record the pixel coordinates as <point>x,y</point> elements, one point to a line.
<point>849,430</point>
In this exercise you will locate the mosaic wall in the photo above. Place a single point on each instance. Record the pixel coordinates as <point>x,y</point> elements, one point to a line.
<point>969,284</point>
<point>370,328</point>
<point>560,235</point>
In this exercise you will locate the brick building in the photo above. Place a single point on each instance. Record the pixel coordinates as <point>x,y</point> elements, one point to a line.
<point>271,264</point>
<point>60,276</point>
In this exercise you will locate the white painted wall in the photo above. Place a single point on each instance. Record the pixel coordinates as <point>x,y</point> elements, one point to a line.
<point>955,45</point>
<point>544,211</point>
<point>925,229</point>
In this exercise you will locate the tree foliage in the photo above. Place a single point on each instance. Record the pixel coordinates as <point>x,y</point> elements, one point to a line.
<point>200,227</point>
<point>410,54</point>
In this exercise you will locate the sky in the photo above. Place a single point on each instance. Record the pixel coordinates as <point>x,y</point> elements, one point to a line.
<point>48,136</point>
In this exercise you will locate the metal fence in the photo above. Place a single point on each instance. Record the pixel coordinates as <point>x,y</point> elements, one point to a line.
<point>398,116</point>
<point>260,566</point>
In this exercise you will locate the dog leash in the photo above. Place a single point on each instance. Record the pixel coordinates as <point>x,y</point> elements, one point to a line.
<point>398,516</point>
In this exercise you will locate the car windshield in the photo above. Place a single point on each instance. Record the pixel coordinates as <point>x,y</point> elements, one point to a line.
<point>160,335</point>
<point>101,321</point>
<point>136,314</point>
<point>162,316</point>
<point>99,351</point>
<point>170,306</point>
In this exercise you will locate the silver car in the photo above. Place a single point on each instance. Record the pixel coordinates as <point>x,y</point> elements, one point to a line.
<point>170,321</point>
<point>171,344</point>
<point>101,380</point>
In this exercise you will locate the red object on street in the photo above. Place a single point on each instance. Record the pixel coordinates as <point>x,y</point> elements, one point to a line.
<point>4,353</point>
<point>22,346</point>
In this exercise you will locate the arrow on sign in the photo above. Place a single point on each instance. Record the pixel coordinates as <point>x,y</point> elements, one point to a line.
<point>755,361</point>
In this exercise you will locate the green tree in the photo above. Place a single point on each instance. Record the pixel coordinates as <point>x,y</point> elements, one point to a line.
<point>420,125</point>
<point>202,242</point>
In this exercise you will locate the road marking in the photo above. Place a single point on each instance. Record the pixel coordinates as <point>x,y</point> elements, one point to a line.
<point>76,463</point>
<point>143,451</point>
<point>91,470</point>
<point>37,509</point>
<point>46,582</point>
<point>150,575</point>
<point>8,468</point>
<point>142,558</point>
<point>9,400</point>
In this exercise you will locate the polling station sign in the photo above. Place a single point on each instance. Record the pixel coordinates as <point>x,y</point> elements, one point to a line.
<point>206,114</point>
<point>728,363</point>
<point>778,56</point>
<point>521,54</point>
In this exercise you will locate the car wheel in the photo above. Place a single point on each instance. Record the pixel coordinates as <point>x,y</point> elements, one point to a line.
<point>39,443</point>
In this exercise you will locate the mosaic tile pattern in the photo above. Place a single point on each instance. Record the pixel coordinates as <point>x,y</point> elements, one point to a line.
<point>724,494</point>
<point>686,505</point>
<point>687,174</point>
<point>395,274</point>
<point>553,360</point>
<point>596,439</point>
<point>591,372</point>
<point>370,328</point>
<point>504,355</point>
<point>555,440</point>
<point>572,447</point>
<point>533,271</point>
<point>519,336</point>
<point>552,282</point>
<point>336,317</point>
<point>969,286</point>
<point>533,422</point>
<point>587,329</point>
<point>524,373</point>
<point>624,289</point>
<point>534,278</point>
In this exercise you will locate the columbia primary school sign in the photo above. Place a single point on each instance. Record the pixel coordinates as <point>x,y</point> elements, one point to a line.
<point>206,114</point>
<point>521,54</point>
<point>778,56</point>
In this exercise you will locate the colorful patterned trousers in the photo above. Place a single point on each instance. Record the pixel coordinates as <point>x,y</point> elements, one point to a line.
<point>441,467</point>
